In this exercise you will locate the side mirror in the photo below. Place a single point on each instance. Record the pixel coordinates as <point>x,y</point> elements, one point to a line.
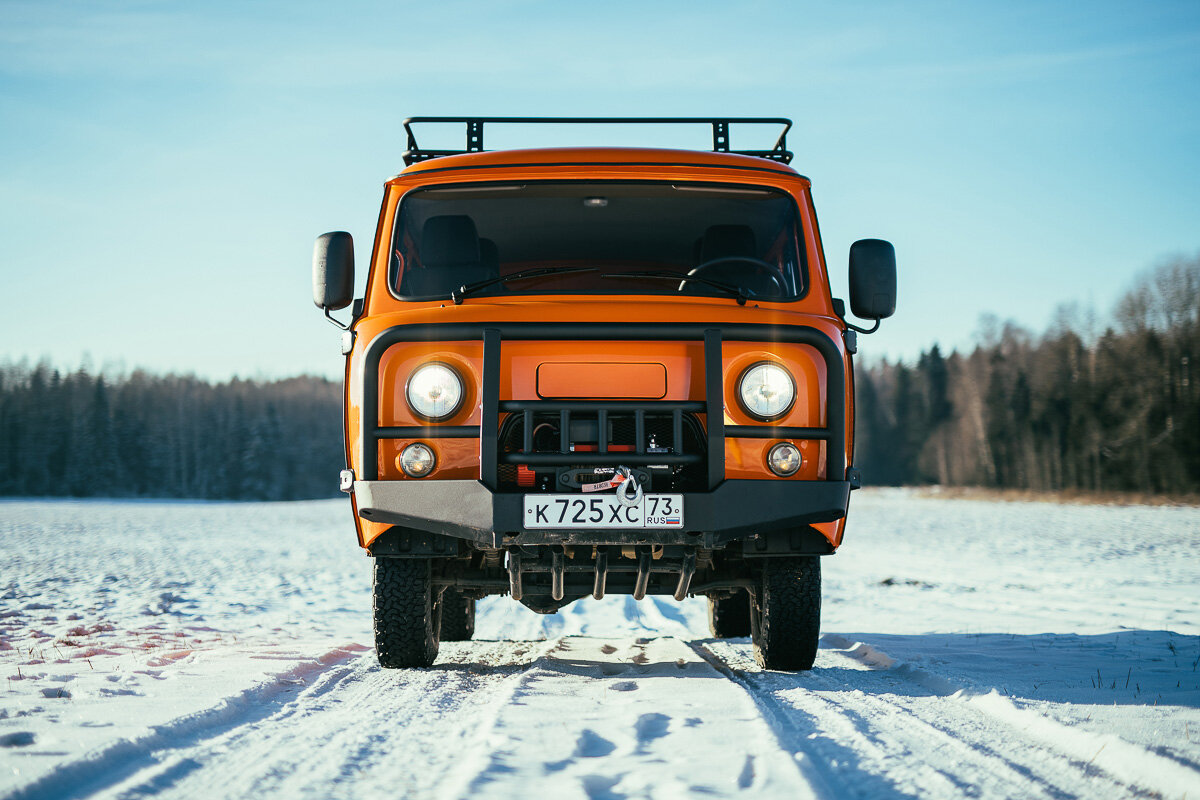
<point>872,279</point>
<point>333,270</point>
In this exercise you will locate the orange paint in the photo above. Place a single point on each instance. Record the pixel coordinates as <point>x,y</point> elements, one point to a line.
<point>669,370</point>
<point>607,379</point>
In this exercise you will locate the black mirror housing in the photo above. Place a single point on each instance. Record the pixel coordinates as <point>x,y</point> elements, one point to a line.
<point>872,279</point>
<point>333,270</point>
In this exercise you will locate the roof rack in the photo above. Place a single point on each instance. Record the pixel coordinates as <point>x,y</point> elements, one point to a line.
<point>720,132</point>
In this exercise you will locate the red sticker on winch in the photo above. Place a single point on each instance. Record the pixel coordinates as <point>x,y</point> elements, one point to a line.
<point>611,483</point>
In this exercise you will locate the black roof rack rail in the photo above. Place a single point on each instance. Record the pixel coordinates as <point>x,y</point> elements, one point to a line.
<point>720,132</point>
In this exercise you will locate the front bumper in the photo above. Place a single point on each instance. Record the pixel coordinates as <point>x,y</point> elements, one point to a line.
<point>467,509</point>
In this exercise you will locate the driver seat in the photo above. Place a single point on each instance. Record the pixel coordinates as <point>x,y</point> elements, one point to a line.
<point>725,241</point>
<point>452,254</point>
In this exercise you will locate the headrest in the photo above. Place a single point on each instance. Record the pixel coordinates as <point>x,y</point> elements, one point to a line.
<point>449,241</point>
<point>723,241</point>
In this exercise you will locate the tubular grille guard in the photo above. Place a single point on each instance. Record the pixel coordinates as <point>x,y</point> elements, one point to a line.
<point>712,407</point>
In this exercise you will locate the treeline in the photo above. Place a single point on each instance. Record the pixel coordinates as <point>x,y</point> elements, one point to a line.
<point>1072,409</point>
<point>141,435</point>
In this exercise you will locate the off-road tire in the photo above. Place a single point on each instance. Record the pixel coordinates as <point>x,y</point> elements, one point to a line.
<point>458,617</point>
<point>406,618</point>
<point>789,613</point>
<point>729,617</point>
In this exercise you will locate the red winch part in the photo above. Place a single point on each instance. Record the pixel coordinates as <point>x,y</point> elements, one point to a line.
<point>525,476</point>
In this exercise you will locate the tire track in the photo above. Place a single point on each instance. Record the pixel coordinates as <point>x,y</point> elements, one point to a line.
<point>614,718</point>
<point>795,731</point>
<point>1128,763</point>
<point>913,734</point>
<point>124,760</point>
<point>370,733</point>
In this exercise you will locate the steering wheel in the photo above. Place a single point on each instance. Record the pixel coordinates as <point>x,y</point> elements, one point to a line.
<point>765,279</point>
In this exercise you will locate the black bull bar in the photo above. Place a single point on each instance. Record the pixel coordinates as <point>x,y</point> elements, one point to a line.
<point>729,510</point>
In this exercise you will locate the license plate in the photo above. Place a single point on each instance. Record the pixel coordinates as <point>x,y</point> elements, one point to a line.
<point>602,511</point>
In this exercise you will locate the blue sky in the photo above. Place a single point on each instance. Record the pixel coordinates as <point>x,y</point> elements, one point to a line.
<point>166,166</point>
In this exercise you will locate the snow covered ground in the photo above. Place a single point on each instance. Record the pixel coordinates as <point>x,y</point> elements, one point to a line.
<point>971,649</point>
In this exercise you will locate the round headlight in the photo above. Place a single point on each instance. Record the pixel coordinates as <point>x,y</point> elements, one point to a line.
<point>766,391</point>
<point>434,391</point>
<point>417,460</point>
<point>784,459</point>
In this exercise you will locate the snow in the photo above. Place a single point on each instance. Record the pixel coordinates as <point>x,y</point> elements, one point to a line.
<point>970,648</point>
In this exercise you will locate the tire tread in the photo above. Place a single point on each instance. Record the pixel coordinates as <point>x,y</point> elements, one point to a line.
<point>790,622</point>
<point>729,617</point>
<point>458,617</point>
<point>406,630</point>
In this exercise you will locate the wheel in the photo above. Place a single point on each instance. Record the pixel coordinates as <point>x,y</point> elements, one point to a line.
<point>729,617</point>
<point>788,613</point>
<point>458,617</point>
<point>406,618</point>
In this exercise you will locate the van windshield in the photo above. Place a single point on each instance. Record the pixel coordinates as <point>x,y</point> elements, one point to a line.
<point>598,238</point>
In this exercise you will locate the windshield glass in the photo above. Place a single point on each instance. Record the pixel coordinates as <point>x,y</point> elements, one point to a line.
<point>593,238</point>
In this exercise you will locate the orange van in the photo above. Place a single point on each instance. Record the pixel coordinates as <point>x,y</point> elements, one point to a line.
<point>583,371</point>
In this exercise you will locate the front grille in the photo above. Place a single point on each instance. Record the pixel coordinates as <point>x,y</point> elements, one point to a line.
<point>664,439</point>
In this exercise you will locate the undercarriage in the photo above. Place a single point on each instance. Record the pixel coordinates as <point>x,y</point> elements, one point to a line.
<point>772,597</point>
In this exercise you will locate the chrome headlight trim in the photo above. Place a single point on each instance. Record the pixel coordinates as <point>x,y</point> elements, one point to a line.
<point>417,460</point>
<point>434,391</point>
<point>777,464</point>
<point>771,392</point>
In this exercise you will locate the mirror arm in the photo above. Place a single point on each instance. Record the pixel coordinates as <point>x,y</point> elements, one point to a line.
<point>345,327</point>
<point>871,329</point>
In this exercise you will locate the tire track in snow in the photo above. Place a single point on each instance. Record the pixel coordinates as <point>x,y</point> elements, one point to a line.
<point>370,733</point>
<point>793,733</point>
<point>875,730</point>
<point>864,747</point>
<point>1125,761</point>
<point>121,761</point>
<point>614,718</point>
<point>924,746</point>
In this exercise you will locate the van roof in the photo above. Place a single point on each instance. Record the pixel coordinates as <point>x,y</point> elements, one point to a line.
<point>598,156</point>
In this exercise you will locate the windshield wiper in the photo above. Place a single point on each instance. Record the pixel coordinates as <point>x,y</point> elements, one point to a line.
<point>741,294</point>
<point>534,272</point>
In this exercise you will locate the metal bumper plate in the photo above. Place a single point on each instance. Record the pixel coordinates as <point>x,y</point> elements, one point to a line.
<point>468,510</point>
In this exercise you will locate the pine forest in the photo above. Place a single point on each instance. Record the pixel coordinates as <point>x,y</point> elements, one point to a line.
<point>1087,406</point>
